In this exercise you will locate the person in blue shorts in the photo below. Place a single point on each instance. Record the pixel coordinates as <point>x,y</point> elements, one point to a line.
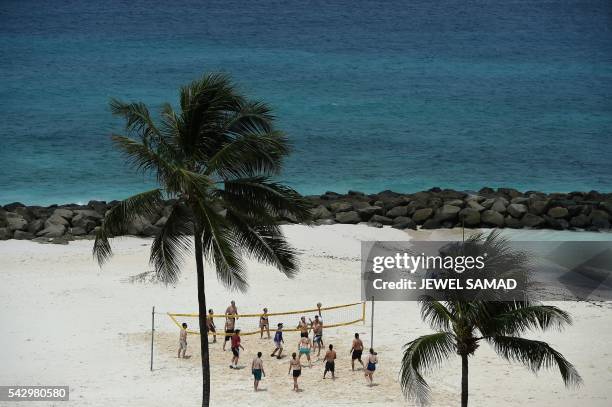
<point>258,370</point>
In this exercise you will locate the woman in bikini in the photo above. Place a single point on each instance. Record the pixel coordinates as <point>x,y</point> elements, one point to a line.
<point>371,366</point>
<point>296,368</point>
<point>264,324</point>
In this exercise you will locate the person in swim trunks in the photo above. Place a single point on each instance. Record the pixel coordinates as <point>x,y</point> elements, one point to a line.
<point>236,346</point>
<point>304,349</point>
<point>229,330</point>
<point>296,368</point>
<point>317,329</point>
<point>264,324</point>
<point>330,361</point>
<point>257,370</point>
<point>210,324</point>
<point>303,327</point>
<point>278,341</point>
<point>371,367</point>
<point>182,341</point>
<point>356,351</point>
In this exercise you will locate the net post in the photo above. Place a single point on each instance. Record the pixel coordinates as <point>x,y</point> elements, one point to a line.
<point>372,325</point>
<point>363,311</point>
<point>152,333</point>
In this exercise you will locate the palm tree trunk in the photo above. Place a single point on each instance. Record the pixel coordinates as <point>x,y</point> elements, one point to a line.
<point>202,319</point>
<point>464,380</point>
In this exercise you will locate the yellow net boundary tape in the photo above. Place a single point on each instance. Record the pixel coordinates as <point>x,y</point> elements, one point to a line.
<point>173,317</point>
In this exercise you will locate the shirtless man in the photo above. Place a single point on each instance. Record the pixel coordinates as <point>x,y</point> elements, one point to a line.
<point>303,327</point>
<point>356,351</point>
<point>230,322</point>
<point>317,329</point>
<point>229,330</point>
<point>210,324</point>
<point>183,341</point>
<point>304,349</point>
<point>330,364</point>
<point>257,370</point>
<point>264,324</point>
<point>232,309</point>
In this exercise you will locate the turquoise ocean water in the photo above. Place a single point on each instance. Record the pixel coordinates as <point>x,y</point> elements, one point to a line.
<point>402,95</point>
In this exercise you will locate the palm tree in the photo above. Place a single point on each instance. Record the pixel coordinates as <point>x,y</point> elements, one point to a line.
<point>215,160</point>
<point>461,325</point>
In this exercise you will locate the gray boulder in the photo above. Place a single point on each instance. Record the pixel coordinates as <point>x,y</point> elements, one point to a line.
<point>517,210</point>
<point>580,221</point>
<point>600,219</point>
<point>421,215</point>
<point>137,225</point>
<point>381,219</point>
<point>56,220</point>
<point>538,207</point>
<point>64,213</point>
<point>404,222</point>
<point>21,235</point>
<point>512,222</point>
<point>500,205</point>
<point>532,221</point>
<point>368,211</point>
<point>88,214</point>
<point>53,230</point>
<point>606,205</point>
<point>470,217</point>
<point>520,200</point>
<point>351,217</point>
<point>84,222</point>
<point>36,226</point>
<point>558,212</point>
<point>5,233</point>
<point>472,203</point>
<point>492,218</point>
<point>397,211</point>
<point>320,212</point>
<point>15,221</point>
<point>556,223</point>
<point>341,207</point>
<point>431,224</point>
<point>78,231</point>
<point>447,212</point>
<point>488,203</point>
<point>455,202</point>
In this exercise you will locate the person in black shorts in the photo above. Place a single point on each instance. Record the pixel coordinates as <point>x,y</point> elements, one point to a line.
<point>356,351</point>
<point>330,364</point>
<point>229,330</point>
<point>296,367</point>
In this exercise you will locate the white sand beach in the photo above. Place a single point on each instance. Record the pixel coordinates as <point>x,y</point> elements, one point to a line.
<point>66,322</point>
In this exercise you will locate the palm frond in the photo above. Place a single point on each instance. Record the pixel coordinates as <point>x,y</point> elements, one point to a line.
<point>535,355</point>
<point>523,317</point>
<point>117,219</point>
<point>421,356</point>
<point>435,313</point>
<point>253,194</point>
<point>218,244</point>
<point>171,245</point>
<point>249,154</point>
<point>265,242</point>
<point>137,117</point>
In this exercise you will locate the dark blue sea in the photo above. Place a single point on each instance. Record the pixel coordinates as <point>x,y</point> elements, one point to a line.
<point>401,95</point>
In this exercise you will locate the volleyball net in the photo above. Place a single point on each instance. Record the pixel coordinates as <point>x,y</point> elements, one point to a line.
<point>249,324</point>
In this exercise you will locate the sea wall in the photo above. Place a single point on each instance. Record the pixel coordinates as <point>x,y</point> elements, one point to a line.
<point>432,209</point>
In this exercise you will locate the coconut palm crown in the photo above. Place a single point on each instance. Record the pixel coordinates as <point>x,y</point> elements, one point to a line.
<point>217,159</point>
<point>462,325</point>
